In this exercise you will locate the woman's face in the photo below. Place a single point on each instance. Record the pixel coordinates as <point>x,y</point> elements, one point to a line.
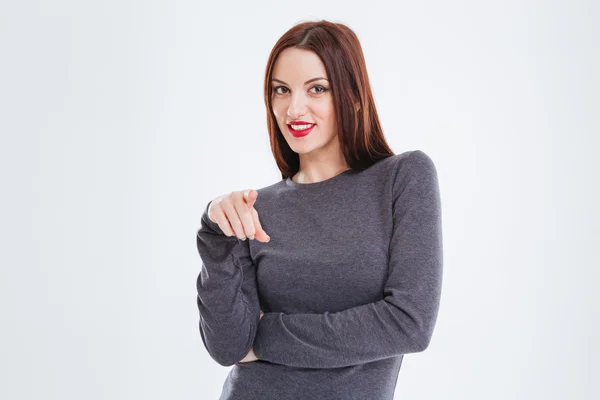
<point>301,93</point>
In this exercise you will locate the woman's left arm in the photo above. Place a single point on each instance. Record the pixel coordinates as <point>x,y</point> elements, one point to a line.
<point>403,321</point>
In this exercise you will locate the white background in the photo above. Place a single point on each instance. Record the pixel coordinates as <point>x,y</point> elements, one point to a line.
<point>120,120</point>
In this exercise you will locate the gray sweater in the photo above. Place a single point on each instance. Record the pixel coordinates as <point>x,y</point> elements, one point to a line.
<point>349,282</point>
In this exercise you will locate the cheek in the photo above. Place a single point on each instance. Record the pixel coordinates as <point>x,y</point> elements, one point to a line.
<point>279,109</point>
<point>325,112</point>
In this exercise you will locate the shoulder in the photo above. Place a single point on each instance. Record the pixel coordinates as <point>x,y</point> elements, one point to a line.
<point>414,173</point>
<point>270,195</point>
<point>272,189</point>
<point>414,164</point>
<point>413,160</point>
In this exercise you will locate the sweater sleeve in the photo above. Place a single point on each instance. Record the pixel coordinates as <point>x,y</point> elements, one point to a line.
<point>403,321</point>
<point>227,294</point>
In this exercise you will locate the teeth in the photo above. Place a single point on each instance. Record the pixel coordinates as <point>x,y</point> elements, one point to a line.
<point>301,127</point>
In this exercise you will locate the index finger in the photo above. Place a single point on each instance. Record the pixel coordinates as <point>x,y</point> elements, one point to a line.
<point>260,233</point>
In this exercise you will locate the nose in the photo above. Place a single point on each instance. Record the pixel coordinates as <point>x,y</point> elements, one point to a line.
<point>297,106</point>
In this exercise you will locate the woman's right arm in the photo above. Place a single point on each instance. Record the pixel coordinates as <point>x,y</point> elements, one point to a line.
<point>227,294</point>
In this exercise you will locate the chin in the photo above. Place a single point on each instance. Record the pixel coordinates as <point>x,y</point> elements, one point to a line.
<point>301,149</point>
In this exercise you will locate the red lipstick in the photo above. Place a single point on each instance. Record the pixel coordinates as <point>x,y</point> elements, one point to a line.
<point>302,133</point>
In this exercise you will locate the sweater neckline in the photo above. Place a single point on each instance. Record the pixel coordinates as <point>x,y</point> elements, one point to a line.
<point>335,178</point>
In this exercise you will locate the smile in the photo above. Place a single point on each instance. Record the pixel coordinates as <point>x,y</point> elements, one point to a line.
<point>301,132</point>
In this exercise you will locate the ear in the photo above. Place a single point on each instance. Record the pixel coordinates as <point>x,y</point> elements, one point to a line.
<point>356,107</point>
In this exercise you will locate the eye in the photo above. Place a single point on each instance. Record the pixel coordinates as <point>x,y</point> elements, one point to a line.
<point>279,87</point>
<point>323,89</point>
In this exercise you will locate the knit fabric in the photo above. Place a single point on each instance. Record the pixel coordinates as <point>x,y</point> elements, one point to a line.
<point>349,282</point>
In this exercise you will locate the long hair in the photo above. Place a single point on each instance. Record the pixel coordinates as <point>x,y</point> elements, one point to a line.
<point>358,127</point>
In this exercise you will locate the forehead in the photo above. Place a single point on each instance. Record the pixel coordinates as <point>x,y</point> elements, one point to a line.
<point>298,65</point>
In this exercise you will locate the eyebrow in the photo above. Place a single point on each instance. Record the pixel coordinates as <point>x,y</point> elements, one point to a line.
<point>306,83</point>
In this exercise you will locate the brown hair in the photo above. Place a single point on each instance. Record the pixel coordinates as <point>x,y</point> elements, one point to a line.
<point>359,130</point>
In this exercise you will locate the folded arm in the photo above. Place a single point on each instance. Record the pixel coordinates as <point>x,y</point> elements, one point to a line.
<point>403,321</point>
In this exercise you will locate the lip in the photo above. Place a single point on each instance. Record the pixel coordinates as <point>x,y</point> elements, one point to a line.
<point>298,122</point>
<point>300,133</point>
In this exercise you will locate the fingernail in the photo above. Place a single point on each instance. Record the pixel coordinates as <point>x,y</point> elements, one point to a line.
<point>244,238</point>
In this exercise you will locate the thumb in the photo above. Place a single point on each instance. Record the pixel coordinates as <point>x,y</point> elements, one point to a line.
<point>250,196</point>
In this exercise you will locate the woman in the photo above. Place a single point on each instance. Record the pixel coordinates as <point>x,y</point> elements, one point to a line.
<point>344,253</point>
